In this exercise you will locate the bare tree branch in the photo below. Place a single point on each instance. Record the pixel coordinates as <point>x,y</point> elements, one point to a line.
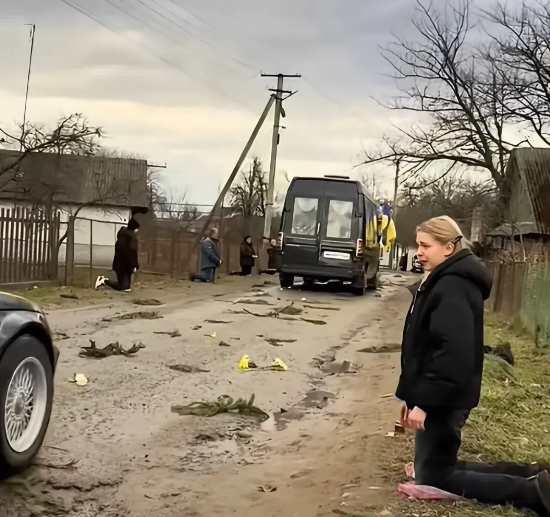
<point>458,91</point>
<point>248,196</point>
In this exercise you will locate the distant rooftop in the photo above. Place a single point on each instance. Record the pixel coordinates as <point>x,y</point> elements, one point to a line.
<point>76,179</point>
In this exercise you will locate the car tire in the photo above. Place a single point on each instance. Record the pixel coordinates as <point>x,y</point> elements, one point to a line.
<point>286,280</point>
<point>25,365</point>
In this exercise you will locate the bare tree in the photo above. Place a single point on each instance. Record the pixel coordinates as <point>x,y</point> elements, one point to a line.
<point>457,90</point>
<point>373,184</point>
<point>454,195</point>
<point>155,192</point>
<point>248,196</point>
<point>72,135</point>
<point>519,52</point>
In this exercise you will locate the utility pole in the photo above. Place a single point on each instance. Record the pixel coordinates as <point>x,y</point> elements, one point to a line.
<point>274,144</point>
<point>33,31</point>
<point>394,206</point>
<point>227,186</point>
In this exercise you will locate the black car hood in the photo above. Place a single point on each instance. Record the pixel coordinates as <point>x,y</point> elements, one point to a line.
<point>11,302</point>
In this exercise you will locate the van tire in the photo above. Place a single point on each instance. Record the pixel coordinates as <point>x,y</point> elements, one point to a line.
<point>360,286</point>
<point>286,280</point>
<point>374,283</point>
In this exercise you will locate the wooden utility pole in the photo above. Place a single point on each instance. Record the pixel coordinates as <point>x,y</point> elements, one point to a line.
<point>274,145</point>
<point>232,177</point>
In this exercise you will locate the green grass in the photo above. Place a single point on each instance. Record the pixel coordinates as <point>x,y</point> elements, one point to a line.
<point>512,422</point>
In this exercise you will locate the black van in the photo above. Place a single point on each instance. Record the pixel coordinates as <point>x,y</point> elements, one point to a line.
<point>329,231</point>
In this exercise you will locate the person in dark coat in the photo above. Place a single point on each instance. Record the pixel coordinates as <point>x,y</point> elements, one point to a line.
<point>209,258</point>
<point>125,262</point>
<point>247,256</point>
<point>441,370</point>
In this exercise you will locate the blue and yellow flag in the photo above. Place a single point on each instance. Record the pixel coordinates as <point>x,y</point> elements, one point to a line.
<point>387,230</point>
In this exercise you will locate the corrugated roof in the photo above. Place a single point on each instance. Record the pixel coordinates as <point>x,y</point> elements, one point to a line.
<point>509,230</point>
<point>533,166</point>
<point>77,179</point>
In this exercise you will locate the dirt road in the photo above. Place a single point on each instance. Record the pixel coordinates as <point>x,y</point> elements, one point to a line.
<point>115,448</point>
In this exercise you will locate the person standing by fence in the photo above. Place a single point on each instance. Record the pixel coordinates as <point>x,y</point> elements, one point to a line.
<point>209,259</point>
<point>247,256</point>
<point>125,262</point>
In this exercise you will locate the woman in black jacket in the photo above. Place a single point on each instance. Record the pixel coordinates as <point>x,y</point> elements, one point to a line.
<point>248,256</point>
<point>441,370</point>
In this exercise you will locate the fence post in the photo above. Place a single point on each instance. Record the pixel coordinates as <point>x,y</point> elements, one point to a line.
<point>173,254</point>
<point>91,253</point>
<point>54,248</point>
<point>69,255</point>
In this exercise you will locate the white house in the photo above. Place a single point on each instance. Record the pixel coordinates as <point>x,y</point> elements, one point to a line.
<point>103,193</point>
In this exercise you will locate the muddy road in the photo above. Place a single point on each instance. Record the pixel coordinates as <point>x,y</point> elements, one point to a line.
<point>116,448</point>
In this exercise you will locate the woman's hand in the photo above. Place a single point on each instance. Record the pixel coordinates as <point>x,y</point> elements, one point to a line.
<point>415,420</point>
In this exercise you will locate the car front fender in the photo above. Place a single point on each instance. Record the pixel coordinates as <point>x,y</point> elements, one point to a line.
<point>13,323</point>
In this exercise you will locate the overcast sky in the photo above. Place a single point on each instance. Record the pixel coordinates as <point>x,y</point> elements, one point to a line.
<point>177,81</point>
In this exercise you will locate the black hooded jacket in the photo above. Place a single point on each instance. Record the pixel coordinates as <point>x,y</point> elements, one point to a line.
<point>442,350</point>
<point>126,249</point>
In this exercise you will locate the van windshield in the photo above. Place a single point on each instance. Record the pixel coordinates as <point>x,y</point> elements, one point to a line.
<point>304,216</point>
<point>339,219</point>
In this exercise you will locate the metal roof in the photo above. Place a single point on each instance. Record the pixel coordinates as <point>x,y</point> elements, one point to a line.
<point>533,166</point>
<point>76,179</point>
<point>509,230</point>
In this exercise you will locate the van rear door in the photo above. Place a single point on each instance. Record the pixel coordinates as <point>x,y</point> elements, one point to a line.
<point>341,224</point>
<point>302,221</point>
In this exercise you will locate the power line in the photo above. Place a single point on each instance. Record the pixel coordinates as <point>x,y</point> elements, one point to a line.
<point>33,30</point>
<point>98,20</point>
<point>187,31</point>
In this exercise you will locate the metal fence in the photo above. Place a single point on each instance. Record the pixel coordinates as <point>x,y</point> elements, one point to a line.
<point>166,247</point>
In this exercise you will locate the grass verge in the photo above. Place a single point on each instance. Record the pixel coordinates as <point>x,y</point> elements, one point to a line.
<point>512,422</point>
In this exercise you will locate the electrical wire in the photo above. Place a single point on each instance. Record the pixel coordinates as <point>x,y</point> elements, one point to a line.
<point>187,31</point>
<point>98,20</point>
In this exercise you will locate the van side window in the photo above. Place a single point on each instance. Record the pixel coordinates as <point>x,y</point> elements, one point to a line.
<point>340,218</point>
<point>304,216</point>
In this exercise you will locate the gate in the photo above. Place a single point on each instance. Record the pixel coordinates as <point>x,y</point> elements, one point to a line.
<point>28,245</point>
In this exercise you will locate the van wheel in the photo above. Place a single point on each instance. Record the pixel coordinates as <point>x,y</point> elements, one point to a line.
<point>286,280</point>
<point>360,286</point>
<point>309,283</point>
<point>374,283</point>
<point>26,395</point>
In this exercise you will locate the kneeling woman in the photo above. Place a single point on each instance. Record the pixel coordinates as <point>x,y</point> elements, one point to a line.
<point>441,370</point>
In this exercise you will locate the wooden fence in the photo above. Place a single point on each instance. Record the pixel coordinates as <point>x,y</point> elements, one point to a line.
<point>28,245</point>
<point>521,292</point>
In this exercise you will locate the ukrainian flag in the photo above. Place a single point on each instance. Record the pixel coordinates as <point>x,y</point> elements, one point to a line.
<point>387,230</point>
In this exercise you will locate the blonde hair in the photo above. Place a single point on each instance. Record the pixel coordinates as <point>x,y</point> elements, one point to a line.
<point>445,231</point>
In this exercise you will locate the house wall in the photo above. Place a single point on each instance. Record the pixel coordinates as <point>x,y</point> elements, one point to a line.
<point>95,226</point>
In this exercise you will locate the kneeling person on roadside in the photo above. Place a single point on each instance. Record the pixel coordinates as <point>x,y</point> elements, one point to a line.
<point>125,262</point>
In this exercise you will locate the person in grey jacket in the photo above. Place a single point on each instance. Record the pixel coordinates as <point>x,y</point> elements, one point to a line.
<point>209,258</point>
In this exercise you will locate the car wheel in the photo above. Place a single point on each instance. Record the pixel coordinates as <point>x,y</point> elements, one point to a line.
<point>26,395</point>
<point>286,280</point>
